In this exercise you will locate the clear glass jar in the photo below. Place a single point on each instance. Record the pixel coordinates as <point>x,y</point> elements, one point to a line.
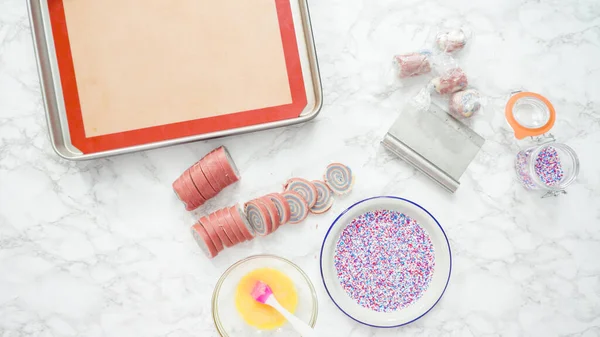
<point>550,167</point>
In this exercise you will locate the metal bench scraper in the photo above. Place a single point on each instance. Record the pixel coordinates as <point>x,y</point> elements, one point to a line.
<point>435,143</point>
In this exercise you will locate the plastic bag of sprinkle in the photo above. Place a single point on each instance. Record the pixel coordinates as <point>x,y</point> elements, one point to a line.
<point>452,40</point>
<point>465,103</point>
<point>413,64</point>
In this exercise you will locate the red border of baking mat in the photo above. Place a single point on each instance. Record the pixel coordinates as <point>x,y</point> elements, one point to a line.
<point>180,129</point>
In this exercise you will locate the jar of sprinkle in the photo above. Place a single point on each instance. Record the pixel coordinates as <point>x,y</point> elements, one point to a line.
<point>548,165</point>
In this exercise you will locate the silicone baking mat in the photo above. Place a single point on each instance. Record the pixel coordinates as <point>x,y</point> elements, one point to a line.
<point>140,71</point>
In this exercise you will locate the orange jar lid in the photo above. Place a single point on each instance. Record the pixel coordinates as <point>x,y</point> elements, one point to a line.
<point>530,114</point>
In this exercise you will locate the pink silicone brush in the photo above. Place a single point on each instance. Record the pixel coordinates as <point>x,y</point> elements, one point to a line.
<point>262,293</point>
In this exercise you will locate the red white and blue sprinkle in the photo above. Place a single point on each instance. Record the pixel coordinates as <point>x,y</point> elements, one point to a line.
<point>384,260</point>
<point>548,166</point>
<point>522,167</point>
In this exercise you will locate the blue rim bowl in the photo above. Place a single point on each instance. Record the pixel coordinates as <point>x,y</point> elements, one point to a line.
<point>329,232</point>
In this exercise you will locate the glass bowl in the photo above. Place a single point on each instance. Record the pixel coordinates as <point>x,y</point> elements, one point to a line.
<point>229,322</point>
<point>437,285</point>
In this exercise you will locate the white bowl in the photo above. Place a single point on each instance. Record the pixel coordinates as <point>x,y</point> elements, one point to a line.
<point>431,296</point>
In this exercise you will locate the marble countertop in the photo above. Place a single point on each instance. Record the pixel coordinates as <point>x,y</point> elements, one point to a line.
<point>102,248</point>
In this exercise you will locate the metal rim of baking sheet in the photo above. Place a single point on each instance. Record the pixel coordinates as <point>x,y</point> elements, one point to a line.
<point>52,95</point>
<point>440,236</point>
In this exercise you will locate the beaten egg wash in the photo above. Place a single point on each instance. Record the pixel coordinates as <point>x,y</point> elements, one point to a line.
<point>262,316</point>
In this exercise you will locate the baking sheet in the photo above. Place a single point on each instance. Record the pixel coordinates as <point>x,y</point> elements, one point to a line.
<point>173,63</point>
<point>261,73</point>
